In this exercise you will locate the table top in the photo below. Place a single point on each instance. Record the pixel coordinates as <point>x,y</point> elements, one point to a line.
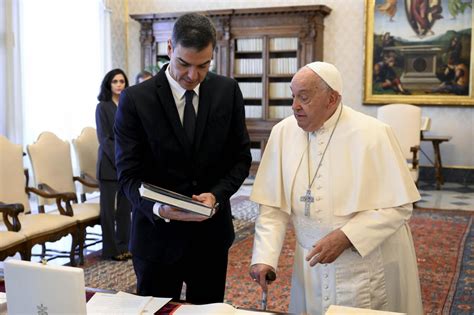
<point>436,138</point>
<point>165,310</point>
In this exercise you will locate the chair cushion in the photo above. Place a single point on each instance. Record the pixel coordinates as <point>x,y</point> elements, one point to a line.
<point>9,239</point>
<point>414,174</point>
<point>413,171</point>
<point>94,200</point>
<point>84,211</point>
<point>33,225</point>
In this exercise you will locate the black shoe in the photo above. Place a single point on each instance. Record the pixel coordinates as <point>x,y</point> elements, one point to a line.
<point>120,257</point>
<point>127,254</point>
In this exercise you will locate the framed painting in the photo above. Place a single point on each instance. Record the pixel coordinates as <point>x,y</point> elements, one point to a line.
<point>419,52</point>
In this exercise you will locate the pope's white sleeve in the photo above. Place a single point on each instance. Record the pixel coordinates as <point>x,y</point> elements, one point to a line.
<point>270,231</point>
<point>369,229</point>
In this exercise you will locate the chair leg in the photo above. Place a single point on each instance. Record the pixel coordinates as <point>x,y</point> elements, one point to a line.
<point>26,254</point>
<point>72,253</point>
<point>43,250</point>
<point>81,240</point>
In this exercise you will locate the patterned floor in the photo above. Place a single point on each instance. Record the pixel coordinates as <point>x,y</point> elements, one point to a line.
<point>452,196</point>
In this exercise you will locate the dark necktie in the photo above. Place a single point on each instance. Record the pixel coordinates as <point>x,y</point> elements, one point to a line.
<point>189,118</point>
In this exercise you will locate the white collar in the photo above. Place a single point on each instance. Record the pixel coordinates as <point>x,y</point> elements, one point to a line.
<point>176,89</point>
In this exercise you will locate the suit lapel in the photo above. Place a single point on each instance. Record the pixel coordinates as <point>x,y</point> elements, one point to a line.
<point>203,111</point>
<point>167,101</point>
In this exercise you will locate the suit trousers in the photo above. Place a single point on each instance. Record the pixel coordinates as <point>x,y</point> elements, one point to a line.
<point>115,215</point>
<point>202,269</point>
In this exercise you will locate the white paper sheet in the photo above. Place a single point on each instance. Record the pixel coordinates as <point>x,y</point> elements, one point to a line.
<point>105,303</point>
<point>154,305</point>
<point>3,303</point>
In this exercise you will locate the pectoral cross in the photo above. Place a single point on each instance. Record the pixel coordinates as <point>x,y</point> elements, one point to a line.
<point>307,199</point>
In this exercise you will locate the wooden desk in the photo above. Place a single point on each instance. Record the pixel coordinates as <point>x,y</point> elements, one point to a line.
<point>168,309</point>
<point>438,166</point>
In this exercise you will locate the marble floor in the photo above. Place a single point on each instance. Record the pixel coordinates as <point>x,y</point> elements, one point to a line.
<point>451,196</point>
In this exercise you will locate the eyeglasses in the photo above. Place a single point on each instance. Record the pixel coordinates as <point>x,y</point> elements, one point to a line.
<point>118,81</point>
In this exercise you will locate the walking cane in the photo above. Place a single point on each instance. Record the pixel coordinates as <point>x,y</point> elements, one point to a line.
<point>269,277</point>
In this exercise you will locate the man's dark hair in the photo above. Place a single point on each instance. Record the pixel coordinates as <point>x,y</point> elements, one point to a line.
<point>193,30</point>
<point>142,75</point>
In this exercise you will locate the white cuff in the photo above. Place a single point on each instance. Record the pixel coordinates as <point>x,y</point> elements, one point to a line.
<point>156,211</point>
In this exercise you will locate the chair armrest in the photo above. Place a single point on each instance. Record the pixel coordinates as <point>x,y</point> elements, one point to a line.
<point>10,214</point>
<point>87,180</point>
<point>415,150</point>
<point>45,191</point>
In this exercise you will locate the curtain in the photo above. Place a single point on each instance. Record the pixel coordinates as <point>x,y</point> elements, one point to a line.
<point>62,58</point>
<point>10,73</point>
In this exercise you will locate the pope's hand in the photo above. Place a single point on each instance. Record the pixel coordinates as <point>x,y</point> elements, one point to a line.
<point>327,249</point>
<point>258,272</point>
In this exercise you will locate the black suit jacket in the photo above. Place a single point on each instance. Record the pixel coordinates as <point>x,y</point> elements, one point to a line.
<point>151,146</point>
<point>104,119</point>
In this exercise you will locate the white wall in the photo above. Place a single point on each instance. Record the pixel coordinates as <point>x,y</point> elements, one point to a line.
<point>344,39</point>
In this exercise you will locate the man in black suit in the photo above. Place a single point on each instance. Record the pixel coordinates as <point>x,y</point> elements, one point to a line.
<point>160,140</point>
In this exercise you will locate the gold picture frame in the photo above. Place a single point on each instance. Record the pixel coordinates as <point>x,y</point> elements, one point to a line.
<point>418,52</point>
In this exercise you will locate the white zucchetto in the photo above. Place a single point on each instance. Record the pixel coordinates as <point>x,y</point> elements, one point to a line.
<point>329,73</point>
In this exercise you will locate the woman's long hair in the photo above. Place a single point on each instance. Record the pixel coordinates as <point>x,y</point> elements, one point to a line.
<point>105,87</point>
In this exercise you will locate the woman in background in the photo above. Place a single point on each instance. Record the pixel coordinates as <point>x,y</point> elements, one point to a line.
<point>114,206</point>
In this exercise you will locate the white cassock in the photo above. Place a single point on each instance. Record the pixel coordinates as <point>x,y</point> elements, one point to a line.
<point>364,188</point>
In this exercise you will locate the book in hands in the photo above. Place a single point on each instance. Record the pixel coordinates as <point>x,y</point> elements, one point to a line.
<point>174,199</point>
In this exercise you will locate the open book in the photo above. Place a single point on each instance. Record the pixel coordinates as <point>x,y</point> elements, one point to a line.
<point>214,309</point>
<point>171,198</point>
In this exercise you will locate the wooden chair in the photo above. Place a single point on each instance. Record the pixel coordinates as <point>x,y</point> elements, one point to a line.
<point>51,163</point>
<point>16,217</point>
<point>86,147</point>
<point>405,121</point>
<point>11,242</point>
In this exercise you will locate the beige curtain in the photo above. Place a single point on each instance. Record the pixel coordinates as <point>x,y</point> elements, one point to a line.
<point>11,125</point>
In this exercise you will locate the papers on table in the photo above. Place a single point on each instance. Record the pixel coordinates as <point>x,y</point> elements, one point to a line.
<point>3,303</point>
<point>123,303</point>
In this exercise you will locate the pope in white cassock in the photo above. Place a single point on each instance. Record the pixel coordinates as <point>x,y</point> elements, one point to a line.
<point>340,177</point>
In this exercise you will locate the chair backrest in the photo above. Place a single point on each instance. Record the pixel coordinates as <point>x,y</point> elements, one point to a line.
<point>51,162</point>
<point>12,177</point>
<point>405,121</point>
<point>86,147</point>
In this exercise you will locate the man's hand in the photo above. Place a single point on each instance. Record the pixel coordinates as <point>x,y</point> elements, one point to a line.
<point>167,212</point>
<point>206,198</point>
<point>327,249</point>
<point>258,273</point>
<point>172,213</point>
